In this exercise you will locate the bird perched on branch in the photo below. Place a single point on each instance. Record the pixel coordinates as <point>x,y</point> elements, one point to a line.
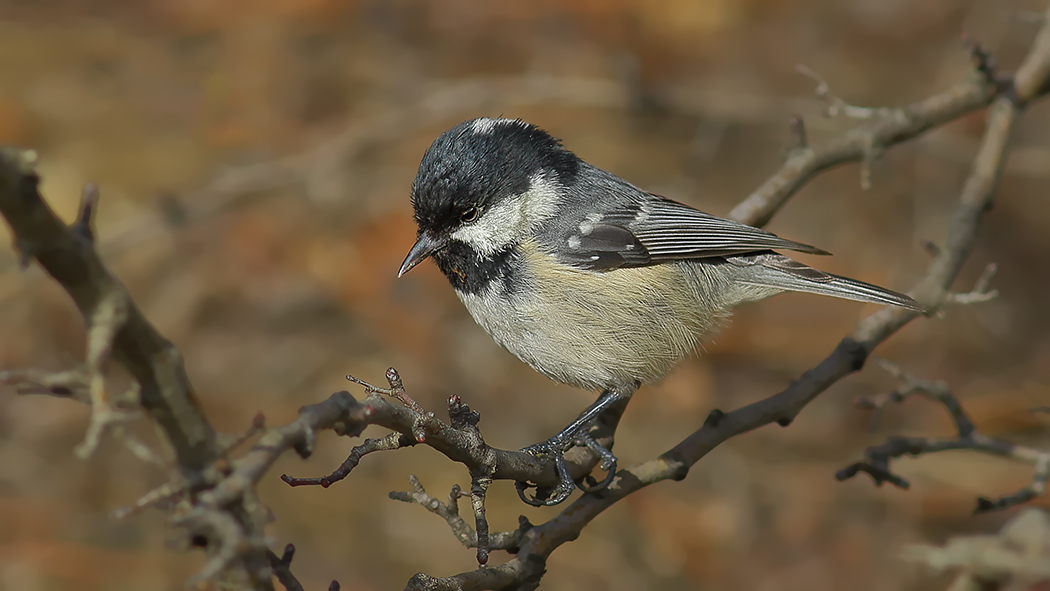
<point>590,280</point>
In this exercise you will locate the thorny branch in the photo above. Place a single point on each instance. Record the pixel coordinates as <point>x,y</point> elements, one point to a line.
<point>215,499</point>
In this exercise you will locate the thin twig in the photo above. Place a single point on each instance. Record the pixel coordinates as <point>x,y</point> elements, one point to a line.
<point>397,390</point>
<point>395,440</point>
<point>282,568</point>
<point>73,262</point>
<point>980,292</point>
<point>906,123</point>
<point>226,544</point>
<point>165,492</point>
<point>70,383</point>
<point>449,511</point>
<point>836,106</point>
<point>877,464</point>
<point>1013,559</point>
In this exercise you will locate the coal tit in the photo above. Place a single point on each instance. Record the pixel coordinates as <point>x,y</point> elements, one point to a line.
<point>588,279</point>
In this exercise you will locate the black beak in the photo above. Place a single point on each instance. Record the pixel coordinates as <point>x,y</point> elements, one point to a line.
<point>425,246</point>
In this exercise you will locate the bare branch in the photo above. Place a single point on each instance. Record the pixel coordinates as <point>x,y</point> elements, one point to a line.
<point>799,140</point>
<point>165,492</point>
<point>983,61</point>
<point>877,464</point>
<point>107,413</point>
<point>397,390</point>
<point>117,329</point>
<point>836,106</point>
<point>282,570</point>
<point>516,574</point>
<point>152,361</point>
<point>139,449</point>
<point>449,511</point>
<point>1015,558</point>
<point>936,391</point>
<point>108,318</point>
<point>395,440</point>
<point>230,442</point>
<point>461,441</point>
<point>84,226</point>
<point>71,383</point>
<point>224,540</point>
<point>980,292</point>
<point>887,127</point>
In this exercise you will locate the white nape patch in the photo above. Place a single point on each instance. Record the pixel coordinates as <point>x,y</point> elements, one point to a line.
<point>574,241</point>
<point>513,219</point>
<point>587,225</point>
<point>484,125</point>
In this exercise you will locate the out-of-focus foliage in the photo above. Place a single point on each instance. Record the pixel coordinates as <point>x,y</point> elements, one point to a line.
<point>273,293</point>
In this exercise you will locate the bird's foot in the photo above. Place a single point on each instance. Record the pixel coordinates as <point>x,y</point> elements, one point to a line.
<point>554,449</point>
<point>608,463</point>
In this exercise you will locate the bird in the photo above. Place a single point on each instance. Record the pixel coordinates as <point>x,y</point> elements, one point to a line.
<point>588,279</point>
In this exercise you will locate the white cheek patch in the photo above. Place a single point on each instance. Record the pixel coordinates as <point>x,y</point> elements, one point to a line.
<point>512,220</point>
<point>494,230</point>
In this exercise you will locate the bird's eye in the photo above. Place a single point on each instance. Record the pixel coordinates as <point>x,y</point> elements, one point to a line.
<point>469,216</point>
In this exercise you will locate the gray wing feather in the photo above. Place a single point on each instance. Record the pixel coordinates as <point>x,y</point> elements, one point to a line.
<point>659,230</point>
<point>673,230</point>
<point>779,272</point>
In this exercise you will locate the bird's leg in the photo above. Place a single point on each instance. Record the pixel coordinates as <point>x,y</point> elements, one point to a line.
<point>577,434</point>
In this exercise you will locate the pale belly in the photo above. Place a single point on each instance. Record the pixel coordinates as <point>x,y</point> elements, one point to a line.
<point>597,330</point>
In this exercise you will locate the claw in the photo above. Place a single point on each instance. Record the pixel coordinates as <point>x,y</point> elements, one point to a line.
<point>554,448</point>
<point>608,463</point>
<point>607,457</point>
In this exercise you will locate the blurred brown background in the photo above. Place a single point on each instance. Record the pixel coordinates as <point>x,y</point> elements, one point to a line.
<point>255,159</point>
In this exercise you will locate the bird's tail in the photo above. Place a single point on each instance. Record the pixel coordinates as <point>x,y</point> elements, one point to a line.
<point>771,273</point>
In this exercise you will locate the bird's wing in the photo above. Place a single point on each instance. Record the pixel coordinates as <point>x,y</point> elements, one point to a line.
<point>659,230</point>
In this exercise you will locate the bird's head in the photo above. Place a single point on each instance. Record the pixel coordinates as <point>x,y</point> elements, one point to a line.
<point>481,188</point>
